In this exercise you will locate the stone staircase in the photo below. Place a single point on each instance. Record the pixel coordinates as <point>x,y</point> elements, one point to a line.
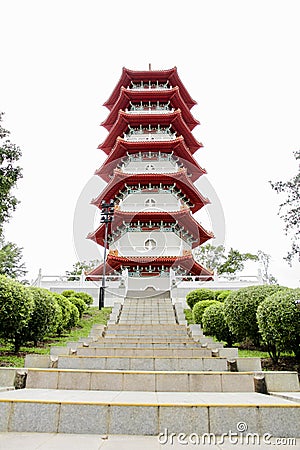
<point>146,372</point>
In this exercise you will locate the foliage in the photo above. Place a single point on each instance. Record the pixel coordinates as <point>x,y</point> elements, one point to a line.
<point>9,175</point>
<point>200,307</point>
<point>222,295</point>
<point>80,305</point>
<point>189,316</point>
<point>10,260</point>
<point>240,310</point>
<point>16,304</point>
<point>45,315</point>
<point>214,323</point>
<point>289,210</point>
<point>87,298</point>
<point>279,323</point>
<point>199,295</point>
<point>92,317</point>
<point>210,256</point>
<point>215,258</point>
<point>264,259</point>
<point>235,262</point>
<point>74,316</point>
<point>79,267</point>
<point>65,307</point>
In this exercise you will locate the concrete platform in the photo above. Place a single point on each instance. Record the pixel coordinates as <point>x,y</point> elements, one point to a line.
<point>150,413</point>
<point>156,381</point>
<point>54,441</point>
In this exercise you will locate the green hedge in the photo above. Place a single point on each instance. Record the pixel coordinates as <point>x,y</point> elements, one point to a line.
<point>214,323</point>
<point>240,309</point>
<point>199,309</point>
<point>279,323</point>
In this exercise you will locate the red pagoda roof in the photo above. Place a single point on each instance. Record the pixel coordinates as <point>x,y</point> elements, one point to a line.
<point>136,76</point>
<point>177,146</point>
<point>135,120</point>
<point>183,218</point>
<point>180,178</point>
<point>187,262</point>
<point>163,95</point>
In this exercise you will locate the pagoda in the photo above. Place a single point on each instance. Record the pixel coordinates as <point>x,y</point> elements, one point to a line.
<point>150,172</point>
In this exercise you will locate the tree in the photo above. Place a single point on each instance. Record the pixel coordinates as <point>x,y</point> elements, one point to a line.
<point>11,260</point>
<point>215,258</point>
<point>9,175</point>
<point>214,323</point>
<point>264,259</point>
<point>16,305</point>
<point>289,210</point>
<point>81,266</point>
<point>210,256</point>
<point>45,315</point>
<point>240,309</point>
<point>278,319</point>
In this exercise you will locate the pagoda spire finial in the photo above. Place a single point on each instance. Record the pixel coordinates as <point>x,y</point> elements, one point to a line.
<point>150,66</point>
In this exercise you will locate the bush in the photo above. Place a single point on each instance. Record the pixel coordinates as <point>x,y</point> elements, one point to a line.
<point>240,309</point>
<point>199,309</point>
<point>198,295</point>
<point>214,323</point>
<point>222,295</point>
<point>87,298</point>
<point>16,304</point>
<point>79,303</point>
<point>74,317</point>
<point>45,316</point>
<point>279,323</point>
<point>65,306</point>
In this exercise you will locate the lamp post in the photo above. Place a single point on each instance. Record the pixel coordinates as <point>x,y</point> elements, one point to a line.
<point>107,213</point>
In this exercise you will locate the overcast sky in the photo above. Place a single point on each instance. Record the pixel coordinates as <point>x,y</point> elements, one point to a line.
<point>239,60</point>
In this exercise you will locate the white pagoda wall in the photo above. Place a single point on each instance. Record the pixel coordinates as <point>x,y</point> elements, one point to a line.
<point>137,202</point>
<point>133,244</point>
<point>157,167</point>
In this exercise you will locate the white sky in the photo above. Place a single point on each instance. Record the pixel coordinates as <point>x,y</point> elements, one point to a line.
<point>60,61</point>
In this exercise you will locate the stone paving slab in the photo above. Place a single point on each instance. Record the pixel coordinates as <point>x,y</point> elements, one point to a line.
<point>158,381</point>
<point>54,441</point>
<point>97,412</point>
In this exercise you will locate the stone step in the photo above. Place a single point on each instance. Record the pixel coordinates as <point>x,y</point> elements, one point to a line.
<point>145,363</point>
<point>156,381</point>
<point>146,413</point>
<point>123,351</point>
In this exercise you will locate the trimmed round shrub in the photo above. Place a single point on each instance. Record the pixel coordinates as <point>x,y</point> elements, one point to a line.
<point>87,298</point>
<point>45,316</point>
<point>66,307</point>
<point>222,295</point>
<point>74,317</point>
<point>214,323</point>
<point>79,303</point>
<point>279,323</point>
<point>16,304</point>
<point>240,309</point>
<point>199,309</point>
<point>198,295</point>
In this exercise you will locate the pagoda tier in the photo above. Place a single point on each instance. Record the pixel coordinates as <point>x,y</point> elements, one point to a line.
<point>124,148</point>
<point>145,127</point>
<point>151,221</point>
<point>152,266</point>
<point>177,183</point>
<point>170,98</point>
<point>160,80</point>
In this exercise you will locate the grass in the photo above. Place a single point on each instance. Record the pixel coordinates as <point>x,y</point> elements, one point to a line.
<point>92,317</point>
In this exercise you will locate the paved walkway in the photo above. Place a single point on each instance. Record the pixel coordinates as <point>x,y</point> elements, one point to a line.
<point>47,441</point>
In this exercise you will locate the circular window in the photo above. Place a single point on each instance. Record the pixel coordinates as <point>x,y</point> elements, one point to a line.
<point>150,168</point>
<point>150,202</point>
<point>150,244</point>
